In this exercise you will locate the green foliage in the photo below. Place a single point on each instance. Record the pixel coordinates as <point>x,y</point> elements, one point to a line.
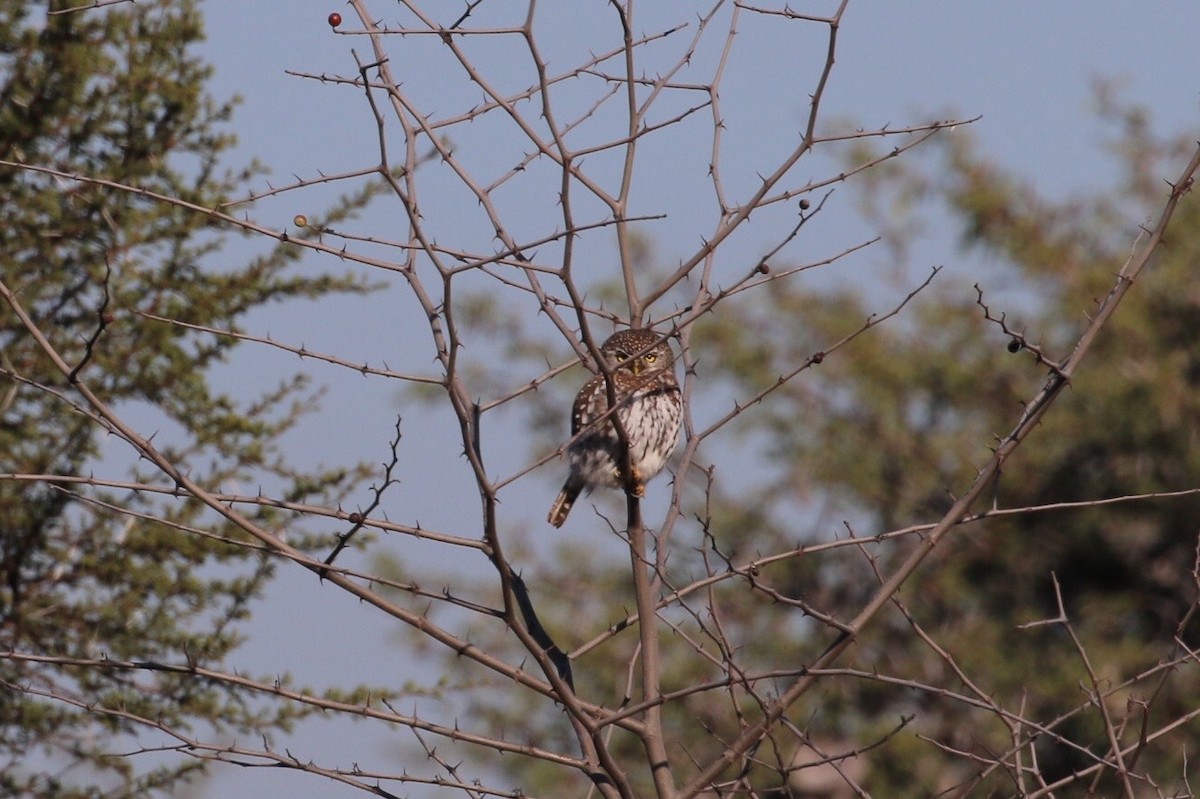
<point>120,96</point>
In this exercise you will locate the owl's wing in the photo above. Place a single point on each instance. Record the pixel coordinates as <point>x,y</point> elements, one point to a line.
<point>590,402</point>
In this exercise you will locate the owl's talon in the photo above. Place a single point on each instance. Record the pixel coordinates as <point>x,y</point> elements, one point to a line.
<point>639,485</point>
<point>636,486</point>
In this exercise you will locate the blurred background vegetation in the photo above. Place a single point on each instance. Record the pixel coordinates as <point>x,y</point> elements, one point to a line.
<point>877,438</point>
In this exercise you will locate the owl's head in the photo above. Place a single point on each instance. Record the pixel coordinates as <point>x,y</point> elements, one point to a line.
<point>637,351</point>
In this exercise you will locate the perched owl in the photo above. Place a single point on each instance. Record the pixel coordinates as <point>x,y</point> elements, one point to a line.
<point>649,405</point>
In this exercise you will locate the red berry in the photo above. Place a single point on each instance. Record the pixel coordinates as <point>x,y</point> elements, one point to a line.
<point>335,19</point>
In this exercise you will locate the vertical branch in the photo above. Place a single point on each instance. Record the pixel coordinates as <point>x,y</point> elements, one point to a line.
<point>651,668</point>
<point>621,203</point>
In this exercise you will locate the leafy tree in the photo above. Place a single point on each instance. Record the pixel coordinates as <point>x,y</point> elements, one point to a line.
<point>89,569</point>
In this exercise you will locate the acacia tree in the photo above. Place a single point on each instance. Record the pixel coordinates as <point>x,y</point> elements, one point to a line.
<point>745,647</point>
<point>97,567</point>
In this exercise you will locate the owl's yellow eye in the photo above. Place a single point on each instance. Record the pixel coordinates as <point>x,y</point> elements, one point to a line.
<point>649,357</point>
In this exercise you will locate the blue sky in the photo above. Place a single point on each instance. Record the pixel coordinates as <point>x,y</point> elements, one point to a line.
<point>1027,69</point>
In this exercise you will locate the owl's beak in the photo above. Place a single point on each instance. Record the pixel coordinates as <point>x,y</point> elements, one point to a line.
<point>636,367</point>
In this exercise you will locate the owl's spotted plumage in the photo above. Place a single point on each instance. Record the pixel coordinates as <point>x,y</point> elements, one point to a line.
<point>649,406</point>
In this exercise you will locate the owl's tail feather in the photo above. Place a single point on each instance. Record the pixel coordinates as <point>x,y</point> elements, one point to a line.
<point>562,505</point>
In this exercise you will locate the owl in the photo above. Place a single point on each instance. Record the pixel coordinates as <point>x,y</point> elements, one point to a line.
<point>649,405</point>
